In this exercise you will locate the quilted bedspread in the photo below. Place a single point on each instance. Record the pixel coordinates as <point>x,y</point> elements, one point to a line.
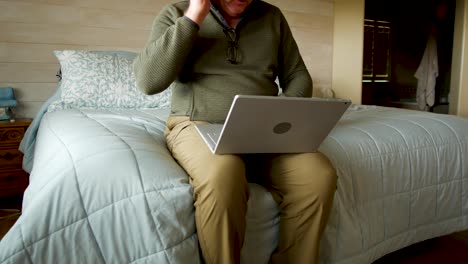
<point>104,189</point>
<point>403,178</point>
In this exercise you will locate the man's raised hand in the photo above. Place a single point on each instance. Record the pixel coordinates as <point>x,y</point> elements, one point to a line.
<point>198,10</point>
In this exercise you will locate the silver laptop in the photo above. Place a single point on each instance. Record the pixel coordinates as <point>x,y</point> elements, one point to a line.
<point>273,124</point>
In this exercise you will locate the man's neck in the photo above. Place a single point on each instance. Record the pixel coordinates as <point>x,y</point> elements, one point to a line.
<point>231,21</point>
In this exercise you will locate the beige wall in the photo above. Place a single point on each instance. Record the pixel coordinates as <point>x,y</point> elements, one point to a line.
<point>348,49</point>
<point>31,29</point>
<point>459,83</point>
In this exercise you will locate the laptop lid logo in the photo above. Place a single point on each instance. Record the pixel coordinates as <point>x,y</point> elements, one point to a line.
<point>282,128</point>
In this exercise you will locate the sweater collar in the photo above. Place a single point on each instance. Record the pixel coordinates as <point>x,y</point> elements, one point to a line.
<point>223,21</point>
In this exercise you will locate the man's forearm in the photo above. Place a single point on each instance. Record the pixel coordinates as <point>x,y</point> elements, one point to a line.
<point>163,57</point>
<point>300,85</point>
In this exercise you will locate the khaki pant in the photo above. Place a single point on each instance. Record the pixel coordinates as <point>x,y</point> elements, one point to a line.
<point>303,185</point>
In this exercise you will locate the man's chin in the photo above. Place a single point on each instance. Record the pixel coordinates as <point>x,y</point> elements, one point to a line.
<point>237,10</point>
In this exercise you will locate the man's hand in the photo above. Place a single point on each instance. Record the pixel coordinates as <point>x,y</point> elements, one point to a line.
<point>198,10</point>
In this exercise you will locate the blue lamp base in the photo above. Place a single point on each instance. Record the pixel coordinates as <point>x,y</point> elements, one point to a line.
<point>7,101</point>
<point>6,113</point>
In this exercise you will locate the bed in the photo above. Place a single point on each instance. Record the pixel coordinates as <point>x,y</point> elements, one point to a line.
<point>104,188</point>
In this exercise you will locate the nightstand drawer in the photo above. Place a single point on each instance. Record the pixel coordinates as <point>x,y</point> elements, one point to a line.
<point>10,158</point>
<point>13,182</point>
<point>11,135</point>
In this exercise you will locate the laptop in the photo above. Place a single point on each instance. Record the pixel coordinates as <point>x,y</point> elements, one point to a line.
<point>273,124</point>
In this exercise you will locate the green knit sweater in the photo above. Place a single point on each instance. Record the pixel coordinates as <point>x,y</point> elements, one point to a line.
<point>193,60</point>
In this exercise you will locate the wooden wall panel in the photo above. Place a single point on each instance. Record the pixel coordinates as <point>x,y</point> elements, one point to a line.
<point>28,108</point>
<point>310,7</point>
<point>119,19</point>
<point>32,29</point>
<point>28,72</point>
<point>31,52</point>
<point>31,92</point>
<point>71,35</point>
<point>43,53</point>
<point>125,5</point>
<point>24,12</point>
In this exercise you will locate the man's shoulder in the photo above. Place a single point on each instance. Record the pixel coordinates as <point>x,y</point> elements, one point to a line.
<point>266,7</point>
<point>264,4</point>
<point>180,6</point>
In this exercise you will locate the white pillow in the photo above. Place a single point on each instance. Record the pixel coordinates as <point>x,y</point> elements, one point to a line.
<point>102,80</point>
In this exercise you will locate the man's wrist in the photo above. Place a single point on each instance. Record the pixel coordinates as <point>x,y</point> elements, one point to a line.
<point>191,21</point>
<point>196,17</point>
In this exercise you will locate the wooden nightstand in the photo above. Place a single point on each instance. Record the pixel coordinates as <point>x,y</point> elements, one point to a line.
<point>13,179</point>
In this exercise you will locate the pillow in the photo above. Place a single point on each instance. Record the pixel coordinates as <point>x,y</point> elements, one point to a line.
<point>102,80</point>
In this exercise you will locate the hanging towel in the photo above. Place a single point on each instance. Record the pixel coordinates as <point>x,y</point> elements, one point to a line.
<point>426,74</point>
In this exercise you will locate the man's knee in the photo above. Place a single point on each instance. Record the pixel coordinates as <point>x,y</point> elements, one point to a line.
<point>313,179</point>
<point>225,181</point>
<point>322,174</point>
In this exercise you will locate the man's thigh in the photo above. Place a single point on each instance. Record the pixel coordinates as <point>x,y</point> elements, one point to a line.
<point>292,174</point>
<point>192,153</point>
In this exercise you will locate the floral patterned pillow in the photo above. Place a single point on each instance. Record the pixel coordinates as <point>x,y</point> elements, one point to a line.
<point>102,80</point>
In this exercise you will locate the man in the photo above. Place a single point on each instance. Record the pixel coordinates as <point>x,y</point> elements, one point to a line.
<point>208,53</point>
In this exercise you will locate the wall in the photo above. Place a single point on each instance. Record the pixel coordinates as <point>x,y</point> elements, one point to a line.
<point>462,103</point>
<point>31,29</point>
<point>347,49</point>
<point>459,83</point>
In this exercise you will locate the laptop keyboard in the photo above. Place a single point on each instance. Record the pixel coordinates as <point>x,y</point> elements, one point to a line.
<point>210,133</point>
<point>213,136</point>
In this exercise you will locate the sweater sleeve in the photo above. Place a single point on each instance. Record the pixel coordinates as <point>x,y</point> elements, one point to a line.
<point>294,78</point>
<point>163,57</point>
